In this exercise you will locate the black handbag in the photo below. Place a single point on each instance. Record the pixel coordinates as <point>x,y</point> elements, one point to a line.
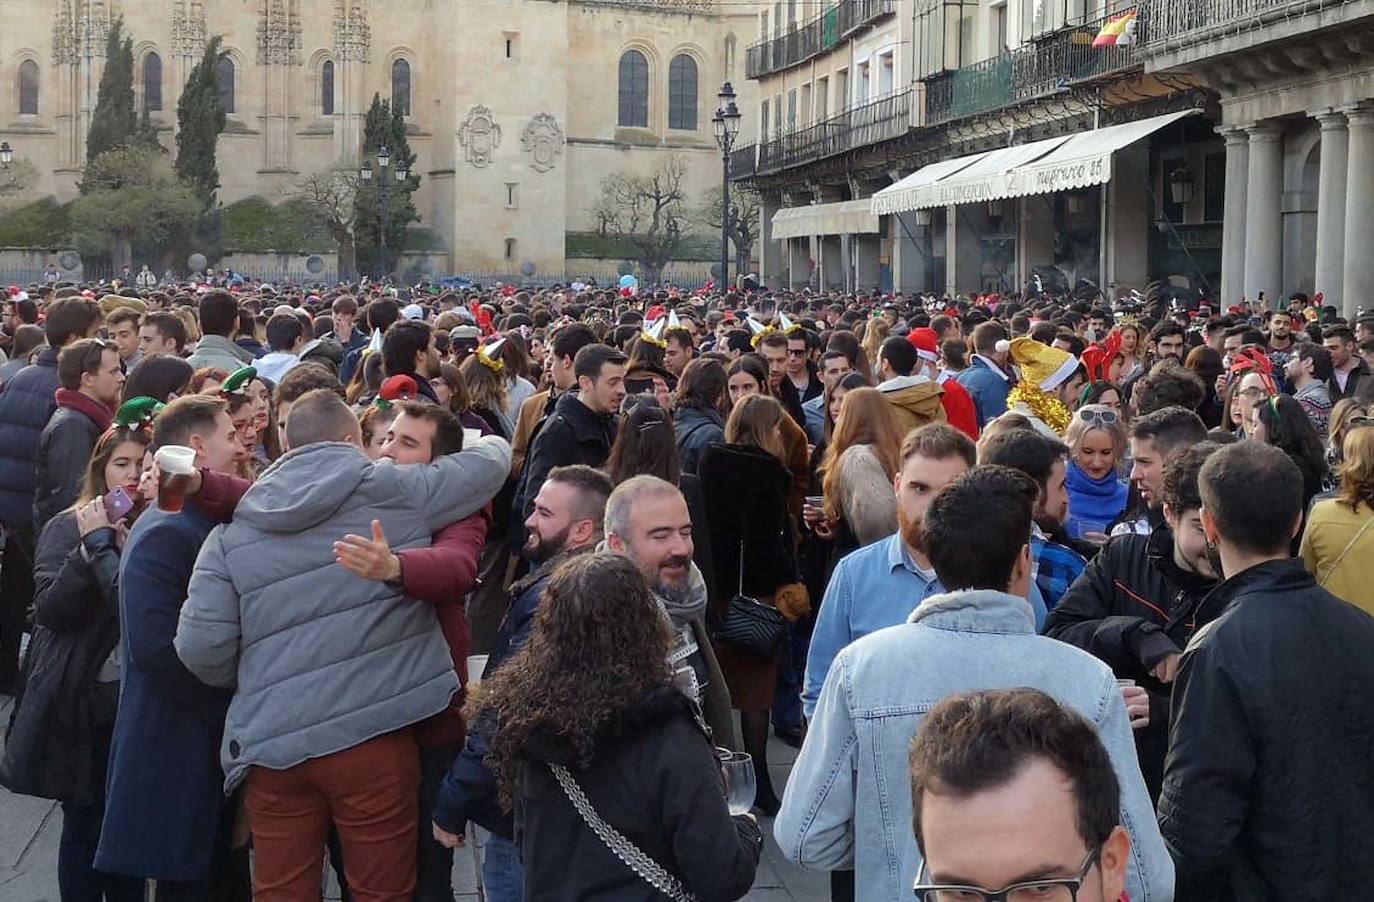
<point>749,624</point>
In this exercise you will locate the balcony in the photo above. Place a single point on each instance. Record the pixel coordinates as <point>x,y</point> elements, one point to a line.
<point>813,37</point>
<point>1045,66</point>
<point>1178,23</point>
<point>882,119</point>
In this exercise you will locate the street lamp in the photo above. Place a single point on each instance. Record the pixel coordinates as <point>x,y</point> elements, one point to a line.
<point>726,122</point>
<point>6,154</point>
<point>384,185</point>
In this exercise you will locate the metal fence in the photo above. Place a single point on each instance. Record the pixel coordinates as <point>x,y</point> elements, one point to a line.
<point>813,37</point>
<point>1184,21</point>
<point>878,120</point>
<point>1037,69</point>
<point>690,275</point>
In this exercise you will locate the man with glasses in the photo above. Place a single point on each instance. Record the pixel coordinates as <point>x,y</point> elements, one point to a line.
<point>1014,798</point>
<point>800,368</point>
<point>841,809</point>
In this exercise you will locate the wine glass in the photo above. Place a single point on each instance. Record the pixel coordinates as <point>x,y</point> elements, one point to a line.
<point>738,771</point>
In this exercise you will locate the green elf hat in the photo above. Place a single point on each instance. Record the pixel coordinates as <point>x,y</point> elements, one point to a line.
<point>138,413</point>
<point>238,380</point>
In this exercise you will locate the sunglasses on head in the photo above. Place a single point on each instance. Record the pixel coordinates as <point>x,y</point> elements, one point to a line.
<point>1105,417</point>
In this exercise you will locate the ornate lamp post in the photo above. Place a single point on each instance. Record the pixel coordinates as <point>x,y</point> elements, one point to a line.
<point>384,188</point>
<point>726,122</point>
<point>6,154</point>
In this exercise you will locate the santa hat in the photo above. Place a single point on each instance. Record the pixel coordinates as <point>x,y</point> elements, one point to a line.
<point>398,388</point>
<point>923,340</point>
<point>1041,365</point>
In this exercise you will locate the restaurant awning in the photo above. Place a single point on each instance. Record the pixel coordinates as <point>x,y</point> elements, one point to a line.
<point>847,217</point>
<point>1041,167</point>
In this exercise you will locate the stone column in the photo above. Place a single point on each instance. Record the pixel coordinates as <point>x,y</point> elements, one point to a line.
<point>1330,275</point>
<point>1233,223</point>
<point>1359,213</point>
<point>798,263</point>
<point>867,269</point>
<point>1264,213</point>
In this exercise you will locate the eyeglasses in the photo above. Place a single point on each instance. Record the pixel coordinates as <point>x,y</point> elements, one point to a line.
<point>1097,417</point>
<point>1253,393</point>
<point>1358,422</point>
<point>796,352</point>
<point>1048,889</point>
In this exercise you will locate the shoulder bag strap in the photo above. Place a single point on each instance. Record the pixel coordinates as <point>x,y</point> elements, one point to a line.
<point>1340,557</point>
<point>637,860</point>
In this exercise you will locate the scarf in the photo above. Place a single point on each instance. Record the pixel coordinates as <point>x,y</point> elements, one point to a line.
<point>98,413</point>
<point>1101,500</point>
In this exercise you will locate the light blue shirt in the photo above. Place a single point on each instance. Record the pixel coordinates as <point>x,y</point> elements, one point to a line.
<point>815,419</point>
<point>872,588</point>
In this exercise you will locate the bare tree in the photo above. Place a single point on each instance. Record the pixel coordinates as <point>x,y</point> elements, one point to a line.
<point>16,179</point>
<point>744,221</point>
<point>647,212</point>
<point>330,195</point>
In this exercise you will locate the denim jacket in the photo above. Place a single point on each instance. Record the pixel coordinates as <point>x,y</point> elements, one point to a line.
<point>851,778</point>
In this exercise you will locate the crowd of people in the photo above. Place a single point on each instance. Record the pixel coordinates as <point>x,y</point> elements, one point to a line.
<point>1058,600</point>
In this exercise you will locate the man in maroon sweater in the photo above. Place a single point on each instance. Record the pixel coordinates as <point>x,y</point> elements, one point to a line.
<point>441,574</point>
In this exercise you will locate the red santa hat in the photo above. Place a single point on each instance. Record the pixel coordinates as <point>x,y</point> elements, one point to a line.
<point>399,388</point>
<point>923,340</point>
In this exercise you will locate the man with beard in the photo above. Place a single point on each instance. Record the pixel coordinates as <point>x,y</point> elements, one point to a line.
<point>566,520</point>
<point>1054,566</point>
<point>647,521</point>
<point>1135,604</point>
<point>1153,438</point>
<point>409,349</point>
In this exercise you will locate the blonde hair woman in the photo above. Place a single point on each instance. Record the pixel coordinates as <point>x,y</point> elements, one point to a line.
<point>1097,494</point>
<point>1338,544</point>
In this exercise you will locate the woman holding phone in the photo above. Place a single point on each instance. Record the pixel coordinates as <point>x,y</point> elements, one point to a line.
<point>59,739</point>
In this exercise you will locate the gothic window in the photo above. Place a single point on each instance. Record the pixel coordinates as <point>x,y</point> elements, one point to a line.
<point>400,87</point>
<point>28,88</point>
<point>152,83</point>
<point>327,88</point>
<point>224,73</point>
<point>634,90</point>
<point>682,93</point>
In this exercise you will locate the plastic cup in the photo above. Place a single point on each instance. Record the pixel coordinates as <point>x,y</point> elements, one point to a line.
<point>476,664</point>
<point>470,435</point>
<point>176,464</point>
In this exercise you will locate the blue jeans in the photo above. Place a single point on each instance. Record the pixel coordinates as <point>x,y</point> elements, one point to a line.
<point>787,706</point>
<point>77,880</point>
<point>502,874</point>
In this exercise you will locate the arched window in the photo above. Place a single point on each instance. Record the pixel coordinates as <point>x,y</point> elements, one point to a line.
<point>400,87</point>
<point>682,93</point>
<point>224,73</point>
<point>634,90</point>
<point>152,82</point>
<point>327,88</point>
<point>28,88</point>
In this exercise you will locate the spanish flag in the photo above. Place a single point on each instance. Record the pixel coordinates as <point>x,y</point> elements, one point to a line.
<point>1117,32</point>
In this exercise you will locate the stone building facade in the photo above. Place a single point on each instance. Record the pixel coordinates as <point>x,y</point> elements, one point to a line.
<point>516,109</point>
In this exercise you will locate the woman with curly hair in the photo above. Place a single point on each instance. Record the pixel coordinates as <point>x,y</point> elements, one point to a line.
<point>587,709</point>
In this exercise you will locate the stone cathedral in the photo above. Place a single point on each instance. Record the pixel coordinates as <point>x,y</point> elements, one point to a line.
<point>516,109</point>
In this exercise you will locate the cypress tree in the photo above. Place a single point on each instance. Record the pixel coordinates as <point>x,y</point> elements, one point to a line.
<point>114,122</point>
<point>200,119</point>
<point>383,126</point>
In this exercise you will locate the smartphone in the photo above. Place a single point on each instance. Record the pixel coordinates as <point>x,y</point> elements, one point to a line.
<point>117,504</point>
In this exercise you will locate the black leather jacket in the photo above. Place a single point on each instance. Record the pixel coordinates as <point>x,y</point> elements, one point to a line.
<point>1132,607</point>
<point>1268,786</point>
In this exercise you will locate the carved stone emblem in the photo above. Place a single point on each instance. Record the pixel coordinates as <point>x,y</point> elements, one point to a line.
<point>480,135</point>
<point>543,141</point>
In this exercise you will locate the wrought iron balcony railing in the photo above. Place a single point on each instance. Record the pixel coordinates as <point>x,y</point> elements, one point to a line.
<point>882,119</point>
<point>1052,63</point>
<point>1179,23</point>
<point>813,37</point>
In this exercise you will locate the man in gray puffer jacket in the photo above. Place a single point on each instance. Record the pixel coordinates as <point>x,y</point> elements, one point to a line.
<point>328,668</point>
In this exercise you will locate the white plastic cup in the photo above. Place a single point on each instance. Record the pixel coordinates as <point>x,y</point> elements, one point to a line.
<point>175,464</point>
<point>470,435</point>
<point>476,664</point>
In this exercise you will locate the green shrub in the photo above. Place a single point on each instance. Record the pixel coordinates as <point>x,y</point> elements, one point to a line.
<point>253,224</point>
<point>43,223</point>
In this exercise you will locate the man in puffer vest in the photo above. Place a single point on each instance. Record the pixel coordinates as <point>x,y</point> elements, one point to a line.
<point>328,668</point>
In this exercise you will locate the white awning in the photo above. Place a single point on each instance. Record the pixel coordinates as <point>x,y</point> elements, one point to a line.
<point>1041,167</point>
<point>848,217</point>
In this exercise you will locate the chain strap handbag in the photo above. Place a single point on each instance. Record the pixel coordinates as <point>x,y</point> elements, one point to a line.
<point>748,623</point>
<point>645,867</point>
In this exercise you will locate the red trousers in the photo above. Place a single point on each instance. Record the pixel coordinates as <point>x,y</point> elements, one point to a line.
<point>368,791</point>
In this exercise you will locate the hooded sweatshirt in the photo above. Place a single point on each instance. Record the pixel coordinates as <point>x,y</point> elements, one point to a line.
<point>321,660</point>
<point>915,400</point>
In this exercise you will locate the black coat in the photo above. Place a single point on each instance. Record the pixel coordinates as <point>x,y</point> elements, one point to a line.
<point>64,449</point>
<point>1359,384</point>
<point>1268,788</point>
<point>746,491</point>
<point>696,430</point>
<point>572,434</point>
<point>1132,607</point>
<point>26,405</point>
<point>655,779</point>
<point>59,730</point>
